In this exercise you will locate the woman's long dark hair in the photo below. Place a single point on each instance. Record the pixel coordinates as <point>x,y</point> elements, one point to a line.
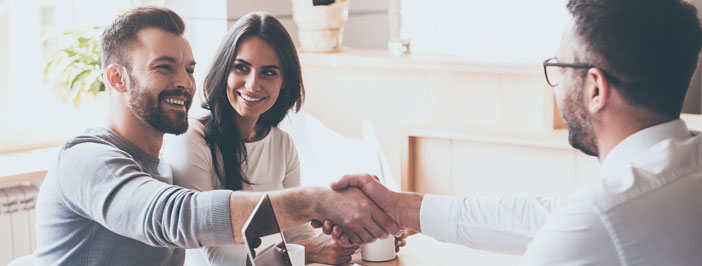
<point>221,132</point>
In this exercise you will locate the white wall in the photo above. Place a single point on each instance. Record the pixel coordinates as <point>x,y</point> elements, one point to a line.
<point>513,31</point>
<point>4,64</point>
<point>26,99</point>
<point>510,31</point>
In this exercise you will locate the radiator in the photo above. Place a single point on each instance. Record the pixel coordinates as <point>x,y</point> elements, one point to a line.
<point>17,216</point>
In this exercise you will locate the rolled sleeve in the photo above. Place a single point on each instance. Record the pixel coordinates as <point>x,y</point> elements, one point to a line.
<point>221,218</point>
<point>499,224</point>
<point>438,217</point>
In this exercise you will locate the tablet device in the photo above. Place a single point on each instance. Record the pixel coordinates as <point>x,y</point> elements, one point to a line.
<point>261,223</point>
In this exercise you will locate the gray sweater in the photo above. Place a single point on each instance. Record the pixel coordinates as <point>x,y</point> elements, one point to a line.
<point>106,202</point>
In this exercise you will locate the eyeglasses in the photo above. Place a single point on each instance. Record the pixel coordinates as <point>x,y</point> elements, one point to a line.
<point>554,73</point>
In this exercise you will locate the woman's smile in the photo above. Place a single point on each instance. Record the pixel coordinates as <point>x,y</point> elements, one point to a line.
<point>250,98</point>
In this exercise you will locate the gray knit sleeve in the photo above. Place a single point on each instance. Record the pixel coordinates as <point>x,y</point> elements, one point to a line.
<point>107,185</point>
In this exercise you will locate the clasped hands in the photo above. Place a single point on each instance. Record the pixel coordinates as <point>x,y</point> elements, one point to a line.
<point>366,212</point>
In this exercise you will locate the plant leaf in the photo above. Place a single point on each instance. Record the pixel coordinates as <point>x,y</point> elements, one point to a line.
<point>76,100</point>
<point>97,86</point>
<point>78,78</point>
<point>63,66</point>
<point>70,52</point>
<point>76,69</point>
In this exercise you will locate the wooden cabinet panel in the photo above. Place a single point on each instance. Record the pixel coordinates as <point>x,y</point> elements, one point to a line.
<point>488,165</point>
<point>499,169</point>
<point>432,166</point>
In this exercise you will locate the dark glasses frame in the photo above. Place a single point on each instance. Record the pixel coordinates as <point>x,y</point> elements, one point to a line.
<point>547,64</point>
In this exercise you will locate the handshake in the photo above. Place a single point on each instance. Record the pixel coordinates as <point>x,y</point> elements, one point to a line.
<point>361,210</point>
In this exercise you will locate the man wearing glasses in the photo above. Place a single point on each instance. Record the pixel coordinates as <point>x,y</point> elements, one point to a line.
<point>620,78</point>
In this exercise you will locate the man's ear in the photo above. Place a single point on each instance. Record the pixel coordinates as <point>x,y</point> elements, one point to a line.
<point>596,90</point>
<point>116,77</point>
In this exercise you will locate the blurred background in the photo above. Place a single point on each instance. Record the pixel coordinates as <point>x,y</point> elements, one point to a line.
<point>435,96</point>
<point>506,31</point>
<point>29,34</point>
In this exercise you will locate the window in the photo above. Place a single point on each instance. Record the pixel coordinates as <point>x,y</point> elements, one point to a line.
<point>30,114</point>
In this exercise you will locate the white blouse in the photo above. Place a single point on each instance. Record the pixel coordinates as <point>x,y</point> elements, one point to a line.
<point>272,164</point>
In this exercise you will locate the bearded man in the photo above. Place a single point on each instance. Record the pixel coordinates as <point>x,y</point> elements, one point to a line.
<point>109,199</point>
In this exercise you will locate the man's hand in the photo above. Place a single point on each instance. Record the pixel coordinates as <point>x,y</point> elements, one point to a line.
<point>400,241</point>
<point>369,184</point>
<point>324,249</point>
<point>329,228</point>
<point>361,220</point>
<point>402,207</point>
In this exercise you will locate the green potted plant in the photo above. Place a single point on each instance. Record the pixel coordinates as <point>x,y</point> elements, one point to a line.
<point>75,69</point>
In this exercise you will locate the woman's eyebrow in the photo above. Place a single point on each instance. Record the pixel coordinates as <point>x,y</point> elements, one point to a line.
<point>242,61</point>
<point>247,63</point>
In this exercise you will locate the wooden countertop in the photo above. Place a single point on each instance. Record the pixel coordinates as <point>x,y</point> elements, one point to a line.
<point>422,250</point>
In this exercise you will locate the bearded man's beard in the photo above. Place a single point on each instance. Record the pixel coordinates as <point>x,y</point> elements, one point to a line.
<point>148,107</point>
<point>579,122</point>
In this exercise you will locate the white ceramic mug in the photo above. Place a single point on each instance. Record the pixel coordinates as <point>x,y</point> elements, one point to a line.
<point>296,253</point>
<point>381,250</point>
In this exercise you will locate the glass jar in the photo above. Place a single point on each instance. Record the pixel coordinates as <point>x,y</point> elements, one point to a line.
<point>399,42</point>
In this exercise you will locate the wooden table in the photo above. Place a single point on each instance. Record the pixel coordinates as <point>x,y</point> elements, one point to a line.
<point>422,250</point>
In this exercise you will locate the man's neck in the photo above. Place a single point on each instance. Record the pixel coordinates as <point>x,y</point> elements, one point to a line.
<point>614,129</point>
<point>139,133</point>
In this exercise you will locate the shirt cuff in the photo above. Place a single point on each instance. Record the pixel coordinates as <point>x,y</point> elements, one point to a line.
<point>221,217</point>
<point>438,217</point>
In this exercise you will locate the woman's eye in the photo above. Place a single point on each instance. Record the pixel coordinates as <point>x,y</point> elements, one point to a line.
<point>241,67</point>
<point>269,73</point>
<point>190,70</point>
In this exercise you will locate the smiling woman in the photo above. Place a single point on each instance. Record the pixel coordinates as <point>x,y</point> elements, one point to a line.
<point>253,83</point>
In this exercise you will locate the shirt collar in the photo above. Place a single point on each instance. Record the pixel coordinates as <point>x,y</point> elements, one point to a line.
<point>634,145</point>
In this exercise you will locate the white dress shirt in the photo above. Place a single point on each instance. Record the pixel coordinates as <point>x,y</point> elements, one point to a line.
<point>645,209</point>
